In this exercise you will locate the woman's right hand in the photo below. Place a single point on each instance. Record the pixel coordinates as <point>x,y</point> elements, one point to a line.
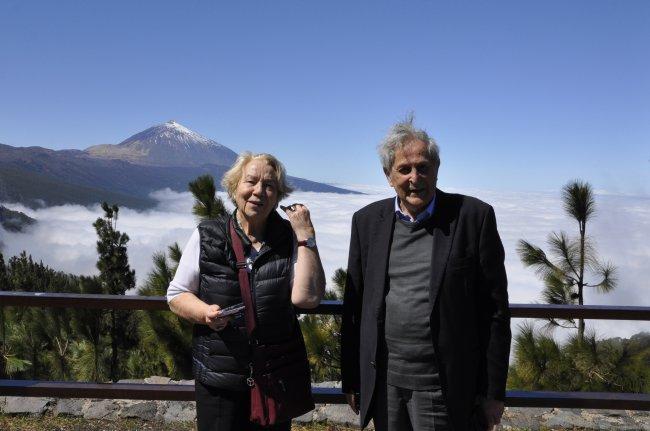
<point>212,318</point>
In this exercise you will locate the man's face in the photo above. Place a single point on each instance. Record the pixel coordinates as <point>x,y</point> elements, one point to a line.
<point>413,176</point>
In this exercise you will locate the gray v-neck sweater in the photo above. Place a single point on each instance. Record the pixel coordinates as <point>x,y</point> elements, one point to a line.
<point>411,358</point>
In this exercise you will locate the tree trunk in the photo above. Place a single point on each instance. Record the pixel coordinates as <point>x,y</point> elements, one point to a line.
<point>96,355</point>
<point>581,322</point>
<point>34,363</point>
<point>3,344</point>
<point>2,326</point>
<point>61,351</point>
<point>113,348</point>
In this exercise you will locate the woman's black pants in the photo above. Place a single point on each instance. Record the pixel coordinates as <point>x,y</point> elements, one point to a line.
<point>222,410</point>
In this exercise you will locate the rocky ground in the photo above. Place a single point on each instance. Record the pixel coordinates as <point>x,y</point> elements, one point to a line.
<point>117,415</point>
<point>31,413</point>
<point>573,419</point>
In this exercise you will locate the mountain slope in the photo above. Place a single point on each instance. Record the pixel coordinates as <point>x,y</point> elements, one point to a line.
<point>37,190</point>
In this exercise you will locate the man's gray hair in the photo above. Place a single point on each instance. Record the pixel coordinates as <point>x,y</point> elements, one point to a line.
<point>401,134</point>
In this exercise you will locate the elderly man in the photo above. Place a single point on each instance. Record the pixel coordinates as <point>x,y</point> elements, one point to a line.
<point>426,326</point>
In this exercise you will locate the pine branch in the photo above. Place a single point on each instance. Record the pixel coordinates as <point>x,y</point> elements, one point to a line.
<point>567,252</point>
<point>533,256</point>
<point>578,200</point>
<point>609,280</point>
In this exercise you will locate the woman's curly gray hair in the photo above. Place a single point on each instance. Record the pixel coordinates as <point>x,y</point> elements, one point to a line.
<point>233,176</point>
<point>401,134</point>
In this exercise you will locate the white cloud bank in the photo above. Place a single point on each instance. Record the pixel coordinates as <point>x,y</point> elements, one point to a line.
<point>64,237</point>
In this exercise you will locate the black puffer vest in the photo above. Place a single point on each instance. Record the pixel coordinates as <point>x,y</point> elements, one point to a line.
<point>221,358</point>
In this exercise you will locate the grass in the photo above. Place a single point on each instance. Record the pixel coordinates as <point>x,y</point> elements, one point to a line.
<point>51,423</point>
<point>67,423</point>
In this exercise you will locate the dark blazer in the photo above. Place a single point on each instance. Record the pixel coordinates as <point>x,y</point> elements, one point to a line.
<point>470,318</point>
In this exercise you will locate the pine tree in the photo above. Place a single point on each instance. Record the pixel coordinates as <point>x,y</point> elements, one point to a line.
<point>207,205</point>
<point>10,364</point>
<point>4,285</point>
<point>583,363</point>
<point>564,273</point>
<point>3,273</point>
<point>590,364</point>
<point>116,277</point>
<point>165,337</point>
<point>87,351</point>
<point>322,336</point>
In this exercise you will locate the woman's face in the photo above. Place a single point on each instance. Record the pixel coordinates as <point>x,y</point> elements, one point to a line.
<point>257,192</point>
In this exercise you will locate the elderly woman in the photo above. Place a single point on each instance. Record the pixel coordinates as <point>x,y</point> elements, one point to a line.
<point>285,271</point>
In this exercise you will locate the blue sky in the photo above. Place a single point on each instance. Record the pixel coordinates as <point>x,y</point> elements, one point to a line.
<point>519,95</point>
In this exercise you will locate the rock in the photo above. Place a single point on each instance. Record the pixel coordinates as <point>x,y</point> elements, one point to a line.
<point>643,425</point>
<point>182,382</point>
<point>640,419</point>
<point>69,407</point>
<point>143,409</point>
<point>515,418</point>
<point>177,411</point>
<point>29,405</point>
<point>612,413</point>
<point>339,414</point>
<point>307,417</point>
<point>566,419</point>
<point>618,420</point>
<point>101,409</point>
<point>140,381</point>
<point>329,384</point>
<point>523,418</point>
<point>157,380</point>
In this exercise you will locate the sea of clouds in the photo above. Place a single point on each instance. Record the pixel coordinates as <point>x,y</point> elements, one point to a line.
<point>64,238</point>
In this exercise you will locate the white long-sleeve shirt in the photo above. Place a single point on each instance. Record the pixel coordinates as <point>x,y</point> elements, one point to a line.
<point>186,278</point>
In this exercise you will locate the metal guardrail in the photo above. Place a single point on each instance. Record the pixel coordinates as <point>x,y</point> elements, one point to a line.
<point>133,391</point>
<point>133,302</point>
<point>35,388</point>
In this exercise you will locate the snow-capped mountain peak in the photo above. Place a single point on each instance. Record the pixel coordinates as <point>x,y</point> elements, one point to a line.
<point>167,144</point>
<point>168,133</point>
<point>172,124</point>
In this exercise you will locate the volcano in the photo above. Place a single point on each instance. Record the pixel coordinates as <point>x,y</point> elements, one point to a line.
<point>168,144</point>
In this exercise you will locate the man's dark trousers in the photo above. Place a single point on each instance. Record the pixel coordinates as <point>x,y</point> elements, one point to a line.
<point>402,409</point>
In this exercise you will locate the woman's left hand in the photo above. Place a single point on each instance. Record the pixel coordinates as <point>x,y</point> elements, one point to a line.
<point>308,275</point>
<point>300,220</point>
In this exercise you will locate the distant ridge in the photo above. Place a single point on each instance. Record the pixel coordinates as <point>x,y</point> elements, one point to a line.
<point>14,221</point>
<point>167,144</point>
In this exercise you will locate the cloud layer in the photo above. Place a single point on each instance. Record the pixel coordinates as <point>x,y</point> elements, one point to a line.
<point>65,239</point>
